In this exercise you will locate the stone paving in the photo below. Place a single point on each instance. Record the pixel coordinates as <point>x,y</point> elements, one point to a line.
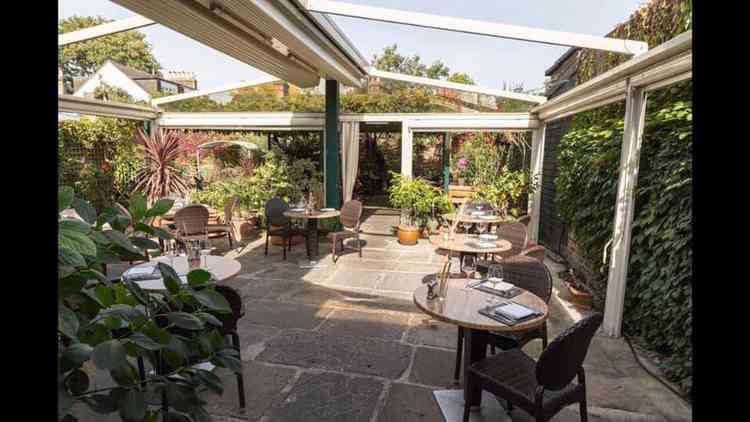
<point>344,342</point>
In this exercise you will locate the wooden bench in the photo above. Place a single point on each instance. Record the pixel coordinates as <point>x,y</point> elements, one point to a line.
<point>459,194</point>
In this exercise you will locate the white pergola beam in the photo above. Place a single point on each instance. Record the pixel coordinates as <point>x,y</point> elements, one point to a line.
<point>635,112</point>
<point>474,89</point>
<point>470,26</point>
<point>665,64</point>
<point>417,122</point>
<point>122,25</point>
<point>537,166</point>
<point>94,107</point>
<point>223,88</point>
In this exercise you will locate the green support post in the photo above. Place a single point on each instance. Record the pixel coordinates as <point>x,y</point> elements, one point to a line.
<point>446,160</point>
<point>331,149</point>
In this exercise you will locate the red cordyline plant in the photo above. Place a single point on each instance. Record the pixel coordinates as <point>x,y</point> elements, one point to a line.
<point>160,177</point>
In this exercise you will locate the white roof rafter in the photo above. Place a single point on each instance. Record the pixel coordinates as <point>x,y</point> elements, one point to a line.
<point>94,107</point>
<point>470,26</point>
<point>223,88</point>
<point>109,28</point>
<point>536,99</point>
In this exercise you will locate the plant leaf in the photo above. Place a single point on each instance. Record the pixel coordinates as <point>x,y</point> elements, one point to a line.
<point>85,210</point>
<point>67,322</point>
<point>65,196</point>
<point>78,381</point>
<point>76,241</point>
<point>212,300</point>
<point>133,406</point>
<point>160,207</point>
<point>198,277</point>
<point>144,341</point>
<point>169,275</point>
<point>185,320</point>
<point>109,355</point>
<point>77,353</point>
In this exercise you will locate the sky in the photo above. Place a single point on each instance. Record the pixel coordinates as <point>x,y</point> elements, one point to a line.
<point>490,61</point>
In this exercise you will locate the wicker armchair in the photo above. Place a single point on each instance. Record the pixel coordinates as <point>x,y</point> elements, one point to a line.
<point>524,219</point>
<point>544,387</point>
<point>226,227</point>
<point>275,208</point>
<point>531,275</point>
<point>351,213</point>
<point>515,233</point>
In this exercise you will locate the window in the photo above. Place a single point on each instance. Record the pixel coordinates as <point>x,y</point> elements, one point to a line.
<point>168,87</point>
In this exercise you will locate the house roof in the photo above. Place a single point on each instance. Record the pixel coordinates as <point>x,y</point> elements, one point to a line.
<point>133,73</point>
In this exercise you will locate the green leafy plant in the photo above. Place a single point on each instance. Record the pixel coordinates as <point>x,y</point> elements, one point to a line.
<point>506,191</point>
<point>94,157</point>
<point>103,326</point>
<point>658,302</point>
<point>417,199</point>
<point>160,176</point>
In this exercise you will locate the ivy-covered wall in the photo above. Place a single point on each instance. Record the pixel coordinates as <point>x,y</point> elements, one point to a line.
<point>658,304</point>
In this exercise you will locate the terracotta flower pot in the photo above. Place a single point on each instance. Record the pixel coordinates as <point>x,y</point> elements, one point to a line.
<point>579,298</point>
<point>408,235</point>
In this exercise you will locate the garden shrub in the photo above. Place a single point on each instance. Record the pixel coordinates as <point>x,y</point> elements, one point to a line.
<point>658,303</point>
<point>98,158</point>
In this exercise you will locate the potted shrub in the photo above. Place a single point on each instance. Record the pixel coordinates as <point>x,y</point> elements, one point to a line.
<point>579,294</point>
<point>416,199</point>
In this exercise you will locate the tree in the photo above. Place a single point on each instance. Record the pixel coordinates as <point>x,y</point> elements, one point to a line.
<point>461,78</point>
<point>84,58</point>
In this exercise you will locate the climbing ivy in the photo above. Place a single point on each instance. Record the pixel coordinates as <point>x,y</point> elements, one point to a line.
<point>658,302</point>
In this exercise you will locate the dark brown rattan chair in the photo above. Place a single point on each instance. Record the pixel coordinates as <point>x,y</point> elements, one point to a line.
<point>544,387</point>
<point>535,251</point>
<point>351,213</point>
<point>275,208</point>
<point>229,328</point>
<point>226,227</point>
<point>531,275</point>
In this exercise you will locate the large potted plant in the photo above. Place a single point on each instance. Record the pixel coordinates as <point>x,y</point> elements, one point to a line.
<point>103,327</point>
<point>416,198</point>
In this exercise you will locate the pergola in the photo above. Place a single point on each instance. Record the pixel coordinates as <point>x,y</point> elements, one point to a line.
<point>294,40</point>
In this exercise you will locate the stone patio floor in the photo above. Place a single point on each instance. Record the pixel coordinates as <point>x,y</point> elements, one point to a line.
<point>344,342</point>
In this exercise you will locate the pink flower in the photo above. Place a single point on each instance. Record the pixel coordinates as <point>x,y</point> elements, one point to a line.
<point>462,164</point>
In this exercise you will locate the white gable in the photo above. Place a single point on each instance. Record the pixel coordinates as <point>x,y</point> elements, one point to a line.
<point>113,76</point>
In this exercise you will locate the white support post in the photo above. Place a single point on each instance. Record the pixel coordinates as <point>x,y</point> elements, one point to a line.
<point>635,112</point>
<point>537,165</point>
<point>407,147</point>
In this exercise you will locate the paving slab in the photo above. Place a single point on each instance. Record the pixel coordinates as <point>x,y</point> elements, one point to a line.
<point>263,388</point>
<point>328,397</point>
<point>265,288</point>
<point>404,282</point>
<point>410,403</point>
<point>283,315</point>
<point>338,353</point>
<point>376,324</point>
<point>426,331</point>
<point>329,296</point>
<point>253,338</point>
<point>433,367</point>
<point>349,277</point>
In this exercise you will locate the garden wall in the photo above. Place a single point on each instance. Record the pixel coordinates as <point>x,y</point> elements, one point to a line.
<point>579,188</point>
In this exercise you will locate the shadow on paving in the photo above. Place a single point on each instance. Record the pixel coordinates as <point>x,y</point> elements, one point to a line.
<point>344,342</point>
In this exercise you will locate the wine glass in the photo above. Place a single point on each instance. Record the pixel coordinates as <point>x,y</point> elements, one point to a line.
<point>496,271</point>
<point>481,228</point>
<point>467,226</point>
<point>470,266</point>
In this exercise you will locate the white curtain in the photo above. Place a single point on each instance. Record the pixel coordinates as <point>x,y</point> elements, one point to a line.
<point>349,157</point>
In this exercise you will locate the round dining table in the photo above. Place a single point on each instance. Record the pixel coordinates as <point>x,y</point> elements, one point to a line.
<point>311,224</point>
<point>221,267</point>
<point>468,245</point>
<point>461,306</point>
